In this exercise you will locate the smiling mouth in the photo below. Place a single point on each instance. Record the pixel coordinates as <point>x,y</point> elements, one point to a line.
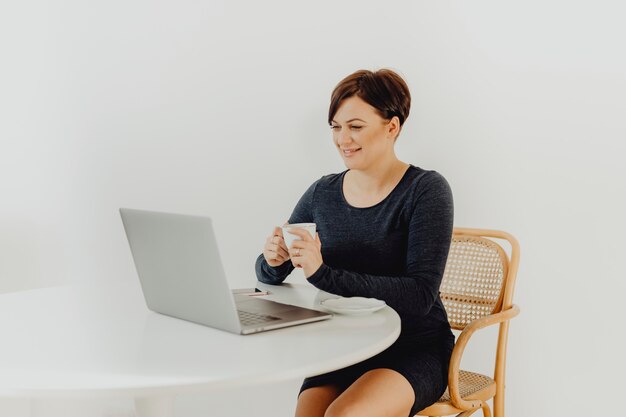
<point>350,151</point>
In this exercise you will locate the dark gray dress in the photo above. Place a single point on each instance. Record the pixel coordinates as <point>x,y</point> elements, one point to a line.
<point>395,251</point>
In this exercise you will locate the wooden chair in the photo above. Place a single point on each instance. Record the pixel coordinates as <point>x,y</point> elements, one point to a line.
<point>477,291</point>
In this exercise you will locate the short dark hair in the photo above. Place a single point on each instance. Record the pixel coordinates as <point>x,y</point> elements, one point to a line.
<point>384,90</point>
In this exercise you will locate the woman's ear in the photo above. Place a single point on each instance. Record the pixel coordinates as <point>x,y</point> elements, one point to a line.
<point>393,127</point>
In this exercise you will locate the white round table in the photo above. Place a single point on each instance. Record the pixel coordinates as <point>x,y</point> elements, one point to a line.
<point>87,341</point>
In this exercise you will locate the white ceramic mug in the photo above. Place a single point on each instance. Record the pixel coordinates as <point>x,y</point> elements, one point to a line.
<point>289,238</point>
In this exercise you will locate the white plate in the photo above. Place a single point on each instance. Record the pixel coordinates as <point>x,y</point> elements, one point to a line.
<point>353,306</point>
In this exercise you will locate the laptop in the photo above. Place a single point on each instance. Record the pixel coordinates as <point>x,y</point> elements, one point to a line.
<point>181,276</point>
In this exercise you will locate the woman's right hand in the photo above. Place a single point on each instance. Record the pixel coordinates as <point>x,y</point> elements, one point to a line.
<point>275,251</point>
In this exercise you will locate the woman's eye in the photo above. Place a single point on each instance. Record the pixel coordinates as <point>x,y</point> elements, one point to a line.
<point>335,127</point>
<point>356,127</point>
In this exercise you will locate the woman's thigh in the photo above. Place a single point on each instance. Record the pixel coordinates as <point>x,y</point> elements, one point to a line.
<point>314,401</point>
<point>379,392</point>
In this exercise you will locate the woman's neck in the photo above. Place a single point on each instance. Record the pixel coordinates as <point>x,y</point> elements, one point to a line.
<point>378,178</point>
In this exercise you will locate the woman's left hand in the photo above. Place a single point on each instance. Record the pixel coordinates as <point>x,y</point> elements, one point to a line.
<point>306,253</point>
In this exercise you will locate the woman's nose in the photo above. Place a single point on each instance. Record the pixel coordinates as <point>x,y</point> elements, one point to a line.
<point>344,136</point>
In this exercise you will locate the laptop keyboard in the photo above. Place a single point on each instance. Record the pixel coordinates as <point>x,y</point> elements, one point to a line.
<point>250,319</point>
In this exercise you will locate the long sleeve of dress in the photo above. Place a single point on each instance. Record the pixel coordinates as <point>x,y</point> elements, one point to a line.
<point>300,214</point>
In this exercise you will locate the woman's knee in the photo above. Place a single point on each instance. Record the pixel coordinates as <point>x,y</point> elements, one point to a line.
<point>379,392</point>
<point>313,402</point>
<point>343,409</point>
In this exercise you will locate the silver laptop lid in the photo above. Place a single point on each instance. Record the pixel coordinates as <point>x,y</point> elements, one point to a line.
<point>179,267</point>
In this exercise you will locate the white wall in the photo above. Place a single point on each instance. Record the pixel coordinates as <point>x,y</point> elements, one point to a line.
<point>219,108</point>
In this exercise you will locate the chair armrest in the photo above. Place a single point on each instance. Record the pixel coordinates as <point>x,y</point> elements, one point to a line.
<point>459,348</point>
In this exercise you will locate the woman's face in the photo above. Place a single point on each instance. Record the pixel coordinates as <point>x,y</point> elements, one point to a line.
<point>360,134</point>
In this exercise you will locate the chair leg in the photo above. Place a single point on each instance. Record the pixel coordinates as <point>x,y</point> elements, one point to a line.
<point>498,403</point>
<point>486,410</point>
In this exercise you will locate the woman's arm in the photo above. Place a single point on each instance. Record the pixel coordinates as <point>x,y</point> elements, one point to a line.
<point>429,236</point>
<point>272,275</point>
<point>302,213</point>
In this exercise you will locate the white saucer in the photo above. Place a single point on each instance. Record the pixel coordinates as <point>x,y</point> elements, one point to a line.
<point>353,306</point>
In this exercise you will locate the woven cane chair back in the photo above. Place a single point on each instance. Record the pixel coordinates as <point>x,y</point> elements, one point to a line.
<point>472,285</point>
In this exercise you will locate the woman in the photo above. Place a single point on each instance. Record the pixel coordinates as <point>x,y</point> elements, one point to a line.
<point>383,231</point>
